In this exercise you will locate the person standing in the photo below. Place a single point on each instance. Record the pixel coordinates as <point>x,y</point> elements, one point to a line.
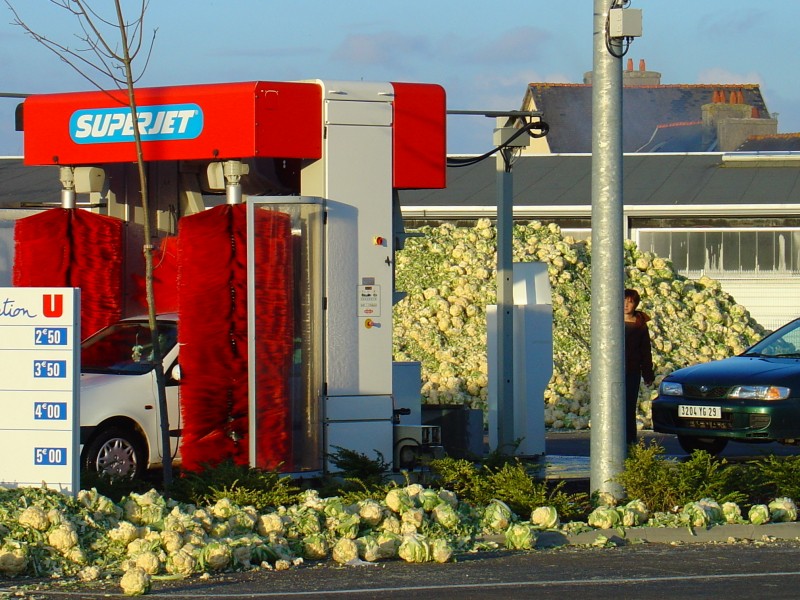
<point>638,360</point>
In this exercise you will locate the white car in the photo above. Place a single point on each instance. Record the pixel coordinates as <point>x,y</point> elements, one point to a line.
<point>119,411</point>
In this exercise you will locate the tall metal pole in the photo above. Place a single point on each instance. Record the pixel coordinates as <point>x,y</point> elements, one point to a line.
<point>507,139</point>
<point>505,301</point>
<point>608,340</point>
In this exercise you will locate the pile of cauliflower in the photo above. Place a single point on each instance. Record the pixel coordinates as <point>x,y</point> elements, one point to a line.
<point>699,514</point>
<point>146,537</point>
<point>449,274</point>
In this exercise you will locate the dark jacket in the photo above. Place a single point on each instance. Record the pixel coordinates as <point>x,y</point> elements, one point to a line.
<point>638,354</point>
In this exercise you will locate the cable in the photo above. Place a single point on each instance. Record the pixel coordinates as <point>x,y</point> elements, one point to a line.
<point>543,128</point>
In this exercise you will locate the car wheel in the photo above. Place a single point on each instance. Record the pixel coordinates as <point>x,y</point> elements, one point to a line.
<point>116,453</point>
<point>711,445</point>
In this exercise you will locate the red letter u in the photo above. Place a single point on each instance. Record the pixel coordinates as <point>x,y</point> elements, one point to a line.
<point>53,306</point>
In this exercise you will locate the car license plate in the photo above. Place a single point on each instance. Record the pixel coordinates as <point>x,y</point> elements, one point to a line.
<point>694,411</point>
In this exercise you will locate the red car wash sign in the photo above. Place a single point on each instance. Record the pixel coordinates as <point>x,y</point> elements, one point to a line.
<point>194,122</point>
<point>39,383</point>
<point>220,121</point>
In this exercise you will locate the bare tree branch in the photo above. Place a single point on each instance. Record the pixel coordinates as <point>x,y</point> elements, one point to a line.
<point>106,60</point>
<point>110,61</point>
<point>66,55</point>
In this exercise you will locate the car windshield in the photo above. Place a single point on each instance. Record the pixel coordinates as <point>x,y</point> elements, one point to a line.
<point>783,343</point>
<point>125,348</point>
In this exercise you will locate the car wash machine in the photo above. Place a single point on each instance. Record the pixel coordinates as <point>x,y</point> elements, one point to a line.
<point>274,205</point>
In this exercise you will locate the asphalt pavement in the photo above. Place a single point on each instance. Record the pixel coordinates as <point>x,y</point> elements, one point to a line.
<point>735,568</point>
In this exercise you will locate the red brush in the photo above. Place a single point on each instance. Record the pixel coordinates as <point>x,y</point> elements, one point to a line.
<point>97,268</point>
<point>274,338</point>
<point>212,308</point>
<point>238,333</point>
<point>41,249</point>
<point>209,361</point>
<point>73,248</point>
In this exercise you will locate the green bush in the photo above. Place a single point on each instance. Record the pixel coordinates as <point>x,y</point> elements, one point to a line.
<point>463,477</point>
<point>356,477</point>
<point>243,485</point>
<point>511,481</point>
<point>773,477</point>
<point>662,484</point>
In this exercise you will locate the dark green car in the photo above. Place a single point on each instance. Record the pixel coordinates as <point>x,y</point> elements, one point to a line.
<point>753,397</point>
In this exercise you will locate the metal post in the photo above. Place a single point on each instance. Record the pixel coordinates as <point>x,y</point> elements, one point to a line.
<point>507,138</point>
<point>505,301</point>
<point>67,177</point>
<point>608,342</point>
<point>233,171</point>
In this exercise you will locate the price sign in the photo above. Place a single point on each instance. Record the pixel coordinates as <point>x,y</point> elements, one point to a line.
<point>39,387</point>
<point>50,456</point>
<point>50,411</point>
<point>50,336</point>
<point>49,368</point>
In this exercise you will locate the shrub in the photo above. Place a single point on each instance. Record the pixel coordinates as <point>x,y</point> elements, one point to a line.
<point>243,485</point>
<point>511,482</point>
<point>663,484</point>
<point>772,477</point>
<point>357,476</point>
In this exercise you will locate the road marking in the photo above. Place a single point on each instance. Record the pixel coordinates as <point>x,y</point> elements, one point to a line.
<point>182,593</point>
<point>505,584</point>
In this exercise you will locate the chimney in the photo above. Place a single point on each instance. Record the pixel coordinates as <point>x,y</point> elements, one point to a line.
<point>642,77</point>
<point>631,78</point>
<point>726,125</point>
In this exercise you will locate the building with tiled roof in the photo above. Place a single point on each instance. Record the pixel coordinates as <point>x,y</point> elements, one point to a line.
<point>656,117</point>
<point>707,182</point>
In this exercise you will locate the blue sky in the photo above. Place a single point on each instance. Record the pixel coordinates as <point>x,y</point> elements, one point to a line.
<point>482,53</point>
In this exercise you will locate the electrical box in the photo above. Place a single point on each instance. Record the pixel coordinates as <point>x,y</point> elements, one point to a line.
<point>504,136</point>
<point>625,22</point>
